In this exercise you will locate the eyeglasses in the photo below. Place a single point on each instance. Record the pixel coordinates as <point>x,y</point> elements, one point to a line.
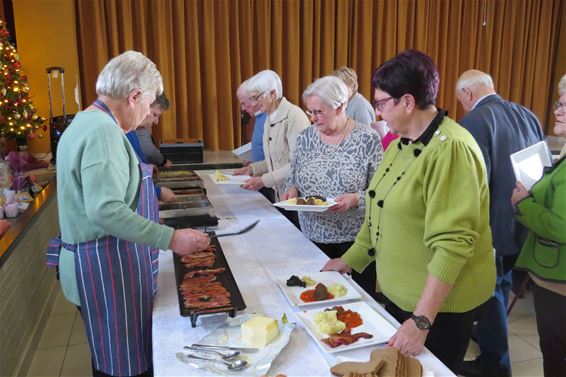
<point>315,113</point>
<point>559,105</point>
<point>256,97</point>
<point>378,105</point>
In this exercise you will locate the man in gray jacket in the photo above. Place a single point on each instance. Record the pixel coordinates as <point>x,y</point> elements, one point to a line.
<point>500,128</point>
<point>143,132</point>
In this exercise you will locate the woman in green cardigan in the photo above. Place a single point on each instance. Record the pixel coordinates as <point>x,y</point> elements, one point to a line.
<point>543,211</point>
<point>427,216</point>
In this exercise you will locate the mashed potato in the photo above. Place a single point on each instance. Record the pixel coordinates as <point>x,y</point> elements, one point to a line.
<point>327,323</point>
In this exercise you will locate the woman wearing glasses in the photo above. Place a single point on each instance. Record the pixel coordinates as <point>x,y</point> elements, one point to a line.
<point>336,159</point>
<point>427,216</point>
<point>543,211</point>
<point>283,124</point>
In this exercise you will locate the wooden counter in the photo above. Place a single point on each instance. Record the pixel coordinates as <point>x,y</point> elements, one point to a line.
<point>27,287</point>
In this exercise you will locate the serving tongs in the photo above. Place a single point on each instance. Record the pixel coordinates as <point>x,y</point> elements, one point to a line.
<point>229,348</point>
<point>242,231</point>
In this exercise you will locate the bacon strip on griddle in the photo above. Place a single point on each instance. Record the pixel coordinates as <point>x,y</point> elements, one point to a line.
<point>201,290</point>
<point>344,338</point>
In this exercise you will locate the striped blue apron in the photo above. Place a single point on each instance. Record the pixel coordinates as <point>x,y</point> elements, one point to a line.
<point>117,281</point>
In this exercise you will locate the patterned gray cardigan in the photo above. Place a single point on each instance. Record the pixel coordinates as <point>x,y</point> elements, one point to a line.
<point>329,170</point>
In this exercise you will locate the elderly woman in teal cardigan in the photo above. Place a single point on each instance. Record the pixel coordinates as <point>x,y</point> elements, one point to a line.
<point>427,216</point>
<point>543,211</point>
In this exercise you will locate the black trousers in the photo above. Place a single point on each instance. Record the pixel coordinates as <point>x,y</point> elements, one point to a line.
<point>366,280</point>
<point>550,309</point>
<point>448,337</point>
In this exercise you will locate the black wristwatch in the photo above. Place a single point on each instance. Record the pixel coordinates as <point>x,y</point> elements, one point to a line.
<point>421,321</point>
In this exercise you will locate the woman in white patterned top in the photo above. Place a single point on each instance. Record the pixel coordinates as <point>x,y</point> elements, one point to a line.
<point>336,158</point>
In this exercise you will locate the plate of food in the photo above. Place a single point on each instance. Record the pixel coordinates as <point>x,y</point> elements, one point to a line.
<point>309,289</point>
<point>312,203</point>
<point>344,327</point>
<point>227,179</point>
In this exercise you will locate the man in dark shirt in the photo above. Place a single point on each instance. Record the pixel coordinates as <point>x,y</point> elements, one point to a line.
<point>143,133</point>
<point>500,128</point>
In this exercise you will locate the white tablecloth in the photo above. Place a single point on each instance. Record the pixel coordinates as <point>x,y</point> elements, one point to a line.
<point>273,247</point>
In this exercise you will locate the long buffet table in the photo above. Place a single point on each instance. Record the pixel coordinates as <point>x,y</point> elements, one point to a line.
<point>273,247</point>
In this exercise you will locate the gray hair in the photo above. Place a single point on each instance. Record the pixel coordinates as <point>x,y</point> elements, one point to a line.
<point>348,75</point>
<point>126,72</point>
<point>330,89</point>
<point>562,85</point>
<point>472,78</point>
<point>264,82</point>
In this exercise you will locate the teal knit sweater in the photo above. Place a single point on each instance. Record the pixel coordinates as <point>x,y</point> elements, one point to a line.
<point>98,180</point>
<point>434,220</point>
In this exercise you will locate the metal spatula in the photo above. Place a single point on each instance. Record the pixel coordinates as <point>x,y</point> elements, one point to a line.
<point>242,231</point>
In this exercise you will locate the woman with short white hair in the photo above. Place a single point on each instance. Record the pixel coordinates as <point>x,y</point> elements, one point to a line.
<point>283,124</point>
<point>336,158</point>
<point>108,217</point>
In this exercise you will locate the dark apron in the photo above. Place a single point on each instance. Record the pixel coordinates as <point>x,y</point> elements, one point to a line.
<point>117,281</point>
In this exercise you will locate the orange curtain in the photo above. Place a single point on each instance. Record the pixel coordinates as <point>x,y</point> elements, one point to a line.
<point>204,49</point>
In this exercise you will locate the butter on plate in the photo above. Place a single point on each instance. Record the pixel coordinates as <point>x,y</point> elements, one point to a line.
<point>259,331</point>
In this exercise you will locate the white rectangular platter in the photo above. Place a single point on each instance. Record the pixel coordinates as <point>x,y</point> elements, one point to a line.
<point>232,179</point>
<point>374,324</point>
<point>325,277</point>
<point>305,207</point>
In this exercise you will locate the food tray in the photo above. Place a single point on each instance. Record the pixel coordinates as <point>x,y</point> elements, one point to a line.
<point>226,278</point>
<point>184,184</point>
<point>191,221</point>
<point>165,174</point>
<point>185,205</point>
<point>189,190</point>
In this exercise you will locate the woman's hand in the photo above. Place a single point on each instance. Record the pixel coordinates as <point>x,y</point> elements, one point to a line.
<point>246,170</point>
<point>519,192</point>
<point>409,339</point>
<point>337,264</point>
<point>167,195</point>
<point>168,164</point>
<point>188,241</point>
<point>254,183</point>
<point>290,194</point>
<point>344,202</point>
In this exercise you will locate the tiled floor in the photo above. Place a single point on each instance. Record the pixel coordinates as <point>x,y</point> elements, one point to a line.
<point>524,349</point>
<point>63,348</point>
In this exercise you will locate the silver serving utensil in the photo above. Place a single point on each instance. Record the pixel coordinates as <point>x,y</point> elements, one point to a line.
<point>231,354</point>
<point>234,365</point>
<point>209,346</point>
<point>245,230</point>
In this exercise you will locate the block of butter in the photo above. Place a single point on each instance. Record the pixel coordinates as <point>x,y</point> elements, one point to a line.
<point>259,331</point>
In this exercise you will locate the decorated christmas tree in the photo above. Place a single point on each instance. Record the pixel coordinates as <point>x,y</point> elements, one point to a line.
<point>17,113</point>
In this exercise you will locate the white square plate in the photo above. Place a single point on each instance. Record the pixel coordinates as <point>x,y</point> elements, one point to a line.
<point>325,277</point>
<point>232,179</point>
<point>374,324</point>
<point>305,207</point>
<point>529,163</point>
